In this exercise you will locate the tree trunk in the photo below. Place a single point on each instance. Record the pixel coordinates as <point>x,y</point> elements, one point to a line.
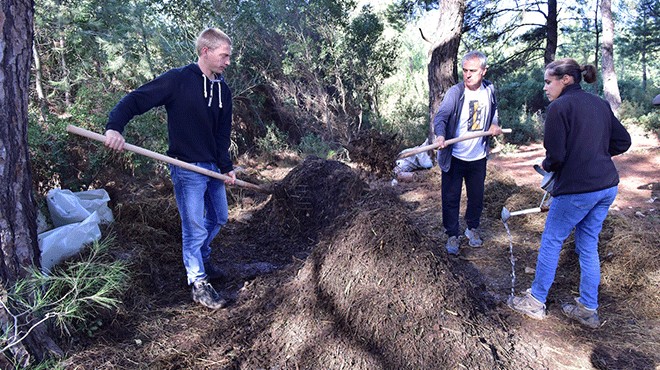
<point>610,84</point>
<point>551,33</point>
<point>18,236</point>
<point>597,33</point>
<point>644,49</point>
<point>442,69</point>
<point>38,84</point>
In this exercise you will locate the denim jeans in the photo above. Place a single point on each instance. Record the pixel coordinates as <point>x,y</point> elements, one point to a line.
<point>202,203</point>
<point>474,174</point>
<point>585,213</point>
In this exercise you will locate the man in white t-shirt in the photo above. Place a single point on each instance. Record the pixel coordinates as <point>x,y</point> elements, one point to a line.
<point>469,106</point>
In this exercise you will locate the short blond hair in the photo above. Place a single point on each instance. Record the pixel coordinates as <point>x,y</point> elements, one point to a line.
<point>211,38</point>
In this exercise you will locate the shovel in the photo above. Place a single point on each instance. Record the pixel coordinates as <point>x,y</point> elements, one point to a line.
<point>148,153</point>
<point>470,135</point>
<point>546,184</point>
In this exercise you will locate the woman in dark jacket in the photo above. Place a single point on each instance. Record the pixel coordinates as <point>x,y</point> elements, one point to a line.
<point>581,136</point>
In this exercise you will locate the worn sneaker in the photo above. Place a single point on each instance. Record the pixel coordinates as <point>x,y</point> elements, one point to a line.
<point>581,314</point>
<point>473,237</point>
<point>527,305</point>
<point>204,294</point>
<point>452,245</point>
<point>214,272</point>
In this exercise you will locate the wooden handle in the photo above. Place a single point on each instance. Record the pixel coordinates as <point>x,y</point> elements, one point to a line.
<point>148,153</point>
<point>470,135</point>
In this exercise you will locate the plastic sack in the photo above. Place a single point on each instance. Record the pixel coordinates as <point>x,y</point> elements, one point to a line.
<point>65,241</point>
<point>420,161</point>
<point>67,207</point>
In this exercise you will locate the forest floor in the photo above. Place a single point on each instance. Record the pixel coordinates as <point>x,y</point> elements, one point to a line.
<point>338,269</point>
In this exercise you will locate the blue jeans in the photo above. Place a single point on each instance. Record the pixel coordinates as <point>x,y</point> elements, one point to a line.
<point>474,174</point>
<point>202,203</point>
<point>585,213</point>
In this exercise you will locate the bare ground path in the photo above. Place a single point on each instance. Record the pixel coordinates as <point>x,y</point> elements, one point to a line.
<point>639,170</point>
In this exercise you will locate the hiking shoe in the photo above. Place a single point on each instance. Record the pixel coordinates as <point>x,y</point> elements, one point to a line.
<point>452,245</point>
<point>527,305</point>
<point>473,237</point>
<point>581,314</point>
<point>214,272</point>
<point>204,294</point>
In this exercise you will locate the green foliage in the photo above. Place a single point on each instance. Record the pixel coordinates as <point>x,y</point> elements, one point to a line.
<point>51,364</point>
<point>321,68</point>
<point>527,127</point>
<point>60,159</point>
<point>640,114</point>
<point>275,140</point>
<point>312,144</point>
<point>404,96</point>
<point>71,296</point>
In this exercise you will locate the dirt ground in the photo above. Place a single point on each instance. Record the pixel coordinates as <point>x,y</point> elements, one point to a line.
<point>338,269</point>
<point>639,169</point>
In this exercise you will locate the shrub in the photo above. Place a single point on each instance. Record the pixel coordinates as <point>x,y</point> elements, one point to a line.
<point>274,140</point>
<point>312,144</point>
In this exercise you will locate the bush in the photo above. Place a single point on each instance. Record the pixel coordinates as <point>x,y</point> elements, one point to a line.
<point>274,140</point>
<point>527,127</point>
<point>311,144</point>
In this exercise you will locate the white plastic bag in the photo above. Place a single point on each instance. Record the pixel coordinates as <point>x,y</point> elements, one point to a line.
<point>420,161</point>
<point>67,207</point>
<point>65,241</point>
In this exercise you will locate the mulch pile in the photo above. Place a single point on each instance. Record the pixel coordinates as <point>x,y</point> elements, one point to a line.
<point>357,285</point>
<point>375,295</point>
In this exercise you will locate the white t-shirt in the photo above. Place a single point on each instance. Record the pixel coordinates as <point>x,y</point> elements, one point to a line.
<point>472,119</point>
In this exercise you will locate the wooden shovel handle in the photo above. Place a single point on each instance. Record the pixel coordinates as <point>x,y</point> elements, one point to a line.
<point>148,153</point>
<point>468,136</point>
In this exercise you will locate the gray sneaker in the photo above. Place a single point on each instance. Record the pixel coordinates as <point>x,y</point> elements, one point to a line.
<point>473,237</point>
<point>204,294</point>
<point>527,305</point>
<point>581,314</point>
<point>452,245</point>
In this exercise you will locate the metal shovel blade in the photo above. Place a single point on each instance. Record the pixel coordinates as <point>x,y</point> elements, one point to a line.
<point>505,214</point>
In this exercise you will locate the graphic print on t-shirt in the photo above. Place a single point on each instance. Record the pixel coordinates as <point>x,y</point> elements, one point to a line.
<point>475,122</point>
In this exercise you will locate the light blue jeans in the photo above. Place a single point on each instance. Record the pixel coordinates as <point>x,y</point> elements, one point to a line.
<point>202,203</point>
<point>585,213</point>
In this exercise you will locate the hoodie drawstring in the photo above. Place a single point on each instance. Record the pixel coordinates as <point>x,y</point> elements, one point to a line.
<point>210,96</point>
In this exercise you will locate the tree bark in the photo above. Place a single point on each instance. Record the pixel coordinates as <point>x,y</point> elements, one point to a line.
<point>38,84</point>
<point>644,48</point>
<point>610,83</point>
<point>442,69</point>
<point>597,34</point>
<point>18,227</point>
<point>551,33</point>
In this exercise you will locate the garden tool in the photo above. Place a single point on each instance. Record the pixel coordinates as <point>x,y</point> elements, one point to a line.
<point>546,184</point>
<point>148,153</point>
<point>470,135</point>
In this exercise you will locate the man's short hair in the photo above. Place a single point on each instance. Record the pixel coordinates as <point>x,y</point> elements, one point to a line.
<point>211,38</point>
<point>476,55</point>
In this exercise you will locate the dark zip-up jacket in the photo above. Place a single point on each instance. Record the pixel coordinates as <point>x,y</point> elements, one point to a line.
<point>581,136</point>
<point>198,124</point>
<point>446,120</point>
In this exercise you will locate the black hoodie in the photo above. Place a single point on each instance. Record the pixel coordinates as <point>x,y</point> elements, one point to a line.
<point>199,125</point>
